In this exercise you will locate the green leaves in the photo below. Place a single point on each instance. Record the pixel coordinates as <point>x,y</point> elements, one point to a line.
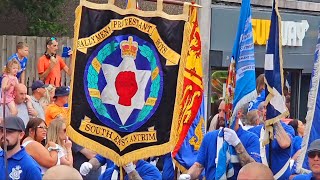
<point>42,15</point>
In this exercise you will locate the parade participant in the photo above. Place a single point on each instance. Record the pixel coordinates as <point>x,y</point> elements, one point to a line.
<point>137,170</point>
<point>313,154</point>
<point>298,127</point>
<point>255,171</point>
<point>9,81</point>
<point>50,64</point>
<point>38,91</point>
<point>218,120</point>
<point>80,155</point>
<point>246,145</point>
<point>281,148</point>
<point>19,164</point>
<point>62,172</point>
<point>57,134</point>
<point>252,119</point>
<point>22,56</point>
<point>35,133</point>
<point>94,164</point>
<point>57,109</point>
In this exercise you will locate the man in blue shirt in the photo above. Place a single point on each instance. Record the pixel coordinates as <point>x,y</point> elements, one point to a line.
<point>313,154</point>
<point>20,164</point>
<point>246,145</point>
<point>281,149</point>
<point>22,56</point>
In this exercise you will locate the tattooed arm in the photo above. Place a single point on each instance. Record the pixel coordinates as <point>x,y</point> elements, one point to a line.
<point>195,170</point>
<point>243,155</point>
<point>282,137</point>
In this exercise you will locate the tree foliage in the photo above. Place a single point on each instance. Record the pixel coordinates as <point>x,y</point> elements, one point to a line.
<point>42,15</point>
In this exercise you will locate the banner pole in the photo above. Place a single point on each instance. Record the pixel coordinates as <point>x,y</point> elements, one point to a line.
<point>175,2</point>
<point>5,145</point>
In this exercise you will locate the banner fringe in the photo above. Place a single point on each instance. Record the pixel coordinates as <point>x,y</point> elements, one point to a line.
<point>156,150</point>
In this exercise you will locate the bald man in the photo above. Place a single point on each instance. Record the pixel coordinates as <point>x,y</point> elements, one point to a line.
<point>255,171</point>
<point>62,172</point>
<point>23,104</point>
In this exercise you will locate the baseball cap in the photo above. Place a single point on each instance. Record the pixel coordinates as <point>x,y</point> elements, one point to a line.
<point>38,84</point>
<point>62,91</point>
<point>13,123</point>
<point>314,146</point>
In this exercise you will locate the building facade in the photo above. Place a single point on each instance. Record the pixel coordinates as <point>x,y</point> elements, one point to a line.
<point>300,25</point>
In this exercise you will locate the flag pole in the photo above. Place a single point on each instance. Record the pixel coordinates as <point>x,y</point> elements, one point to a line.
<point>175,2</point>
<point>5,145</point>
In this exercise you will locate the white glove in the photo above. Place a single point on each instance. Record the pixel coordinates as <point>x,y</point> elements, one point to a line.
<point>129,168</point>
<point>184,177</point>
<point>85,168</point>
<point>231,137</point>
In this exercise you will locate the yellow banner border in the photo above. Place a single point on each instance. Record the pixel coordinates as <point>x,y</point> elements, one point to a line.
<point>155,150</point>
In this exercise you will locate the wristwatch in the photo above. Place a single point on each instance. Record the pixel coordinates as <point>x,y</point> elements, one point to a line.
<point>54,148</point>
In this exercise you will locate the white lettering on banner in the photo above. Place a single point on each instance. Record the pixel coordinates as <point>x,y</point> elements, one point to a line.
<point>293,32</point>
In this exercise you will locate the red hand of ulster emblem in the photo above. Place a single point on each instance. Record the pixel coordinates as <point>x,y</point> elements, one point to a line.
<point>126,87</point>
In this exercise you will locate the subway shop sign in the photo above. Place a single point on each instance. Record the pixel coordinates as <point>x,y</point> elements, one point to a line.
<point>292,32</point>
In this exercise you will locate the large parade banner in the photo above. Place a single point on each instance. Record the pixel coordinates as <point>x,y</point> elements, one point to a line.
<point>313,114</point>
<point>128,80</point>
<point>276,107</point>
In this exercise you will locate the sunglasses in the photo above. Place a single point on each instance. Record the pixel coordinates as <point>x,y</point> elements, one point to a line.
<point>51,39</point>
<point>313,154</point>
<point>43,127</point>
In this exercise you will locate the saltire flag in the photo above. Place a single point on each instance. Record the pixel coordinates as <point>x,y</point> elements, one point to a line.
<point>192,82</point>
<point>241,85</point>
<point>127,80</point>
<point>276,108</point>
<point>313,114</point>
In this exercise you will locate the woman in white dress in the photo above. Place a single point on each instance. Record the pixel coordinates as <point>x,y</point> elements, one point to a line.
<point>35,133</point>
<point>57,134</point>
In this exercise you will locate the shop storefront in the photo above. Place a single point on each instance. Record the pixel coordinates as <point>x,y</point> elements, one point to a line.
<point>300,31</point>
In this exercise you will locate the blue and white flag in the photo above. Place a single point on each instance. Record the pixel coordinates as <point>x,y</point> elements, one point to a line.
<point>245,86</point>
<point>313,114</point>
<point>243,56</point>
<point>276,107</point>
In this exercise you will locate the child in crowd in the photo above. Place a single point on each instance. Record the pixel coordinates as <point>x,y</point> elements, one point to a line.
<point>9,81</point>
<point>21,55</point>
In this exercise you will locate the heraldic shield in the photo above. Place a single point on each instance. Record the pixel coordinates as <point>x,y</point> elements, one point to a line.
<point>127,80</point>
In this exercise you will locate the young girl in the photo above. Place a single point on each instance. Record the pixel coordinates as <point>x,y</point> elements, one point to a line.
<point>9,81</point>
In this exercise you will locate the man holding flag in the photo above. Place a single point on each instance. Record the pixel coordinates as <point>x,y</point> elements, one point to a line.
<point>223,152</point>
<point>277,154</point>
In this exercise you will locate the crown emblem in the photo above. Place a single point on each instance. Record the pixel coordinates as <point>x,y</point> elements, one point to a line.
<point>129,48</point>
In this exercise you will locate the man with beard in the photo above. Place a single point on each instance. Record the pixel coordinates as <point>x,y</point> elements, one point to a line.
<point>218,120</point>
<point>245,143</point>
<point>20,165</point>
